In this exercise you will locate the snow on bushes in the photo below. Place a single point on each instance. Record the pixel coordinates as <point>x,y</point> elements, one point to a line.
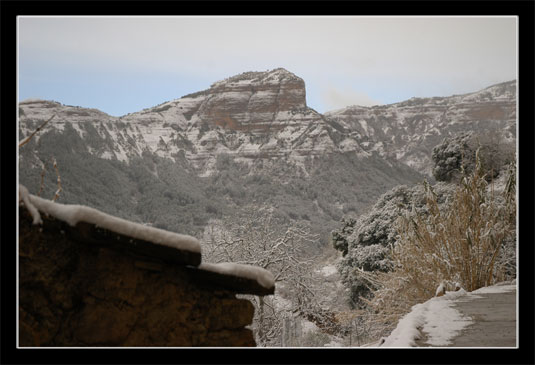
<point>366,242</point>
<point>457,153</point>
<point>449,156</point>
<point>460,242</point>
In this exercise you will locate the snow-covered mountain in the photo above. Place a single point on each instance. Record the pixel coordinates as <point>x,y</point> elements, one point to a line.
<point>264,115</point>
<point>248,139</point>
<point>248,116</point>
<point>409,130</point>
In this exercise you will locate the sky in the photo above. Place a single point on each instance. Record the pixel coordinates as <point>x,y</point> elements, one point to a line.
<point>121,65</point>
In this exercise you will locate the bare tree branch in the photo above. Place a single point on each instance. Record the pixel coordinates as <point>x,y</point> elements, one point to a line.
<point>37,130</point>
<point>56,195</point>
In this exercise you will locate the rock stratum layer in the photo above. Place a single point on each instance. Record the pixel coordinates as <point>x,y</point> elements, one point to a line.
<point>252,101</point>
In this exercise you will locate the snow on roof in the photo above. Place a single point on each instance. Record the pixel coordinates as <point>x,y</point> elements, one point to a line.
<point>73,214</point>
<point>262,276</point>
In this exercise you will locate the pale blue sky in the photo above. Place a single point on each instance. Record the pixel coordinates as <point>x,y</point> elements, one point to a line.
<point>124,64</point>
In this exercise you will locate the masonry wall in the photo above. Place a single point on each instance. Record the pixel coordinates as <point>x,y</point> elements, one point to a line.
<point>76,294</point>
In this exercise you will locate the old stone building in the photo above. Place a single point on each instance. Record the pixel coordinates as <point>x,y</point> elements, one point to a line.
<point>89,279</point>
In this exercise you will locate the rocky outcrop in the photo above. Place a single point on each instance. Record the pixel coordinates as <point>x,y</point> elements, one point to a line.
<point>252,100</point>
<point>77,290</point>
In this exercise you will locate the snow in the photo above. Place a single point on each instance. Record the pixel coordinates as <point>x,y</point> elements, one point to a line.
<point>60,126</point>
<point>440,289</point>
<point>364,126</point>
<point>334,343</point>
<point>349,144</point>
<point>107,155</point>
<point>495,289</point>
<point>280,303</point>
<point>24,196</point>
<point>73,214</point>
<point>309,326</point>
<point>437,318</point>
<point>443,323</point>
<point>79,129</point>
<point>290,133</point>
<point>121,154</point>
<point>262,276</point>
<point>328,270</point>
<point>407,331</point>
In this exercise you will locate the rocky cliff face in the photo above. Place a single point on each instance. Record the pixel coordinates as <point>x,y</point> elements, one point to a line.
<point>409,130</point>
<point>253,101</point>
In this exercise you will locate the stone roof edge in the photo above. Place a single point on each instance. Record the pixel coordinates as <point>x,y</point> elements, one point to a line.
<point>88,233</point>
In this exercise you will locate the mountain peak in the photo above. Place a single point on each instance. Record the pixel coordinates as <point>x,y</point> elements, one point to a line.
<point>281,71</point>
<point>251,100</point>
<point>258,77</point>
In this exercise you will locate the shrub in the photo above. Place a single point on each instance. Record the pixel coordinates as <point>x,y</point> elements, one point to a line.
<point>339,238</point>
<point>449,157</point>
<point>457,154</point>
<point>365,242</point>
<point>463,242</point>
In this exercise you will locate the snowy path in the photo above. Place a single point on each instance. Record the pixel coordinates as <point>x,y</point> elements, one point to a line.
<point>494,317</point>
<point>482,318</point>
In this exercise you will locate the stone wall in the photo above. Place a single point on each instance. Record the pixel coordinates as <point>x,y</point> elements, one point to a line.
<point>76,293</point>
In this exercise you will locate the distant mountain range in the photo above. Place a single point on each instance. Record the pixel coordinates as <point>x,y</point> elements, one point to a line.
<point>247,140</point>
<point>409,130</point>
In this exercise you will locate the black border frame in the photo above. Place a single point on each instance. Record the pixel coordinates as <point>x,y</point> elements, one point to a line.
<point>525,11</point>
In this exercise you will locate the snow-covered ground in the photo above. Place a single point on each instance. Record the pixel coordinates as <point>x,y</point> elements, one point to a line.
<point>328,270</point>
<point>437,318</point>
